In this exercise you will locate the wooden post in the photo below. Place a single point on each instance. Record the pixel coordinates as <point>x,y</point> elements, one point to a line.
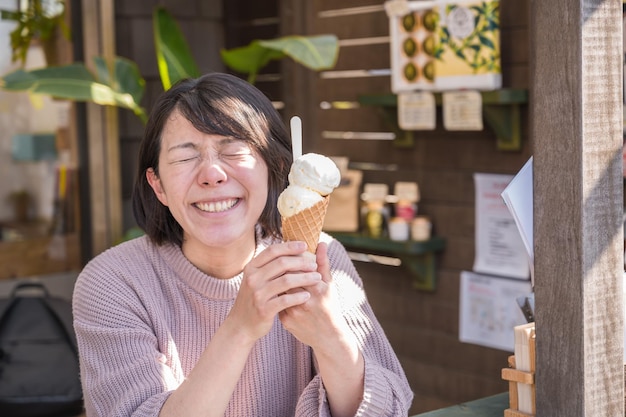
<point>102,127</point>
<point>576,126</point>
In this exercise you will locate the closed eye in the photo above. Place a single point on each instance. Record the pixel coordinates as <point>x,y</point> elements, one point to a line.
<point>234,149</point>
<point>178,161</point>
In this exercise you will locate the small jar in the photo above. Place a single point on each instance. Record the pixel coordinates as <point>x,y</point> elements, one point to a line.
<point>398,229</point>
<point>405,209</point>
<point>421,228</point>
<point>375,219</point>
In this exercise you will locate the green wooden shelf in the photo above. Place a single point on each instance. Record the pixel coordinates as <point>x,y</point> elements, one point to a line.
<point>417,256</point>
<point>501,111</point>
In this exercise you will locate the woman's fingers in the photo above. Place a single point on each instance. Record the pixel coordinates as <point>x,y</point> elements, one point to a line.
<point>278,250</point>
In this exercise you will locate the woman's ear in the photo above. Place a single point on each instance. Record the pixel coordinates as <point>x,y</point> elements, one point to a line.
<point>157,187</point>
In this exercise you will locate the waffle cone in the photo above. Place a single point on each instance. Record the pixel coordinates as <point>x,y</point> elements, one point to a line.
<point>306,225</point>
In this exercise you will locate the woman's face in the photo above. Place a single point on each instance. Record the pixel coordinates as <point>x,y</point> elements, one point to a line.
<point>214,186</point>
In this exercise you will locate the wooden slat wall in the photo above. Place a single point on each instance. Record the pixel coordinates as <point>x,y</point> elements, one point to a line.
<point>423,327</point>
<point>246,21</point>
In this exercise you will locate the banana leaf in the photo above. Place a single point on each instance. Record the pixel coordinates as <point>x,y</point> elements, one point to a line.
<point>174,57</point>
<point>315,52</point>
<point>123,87</point>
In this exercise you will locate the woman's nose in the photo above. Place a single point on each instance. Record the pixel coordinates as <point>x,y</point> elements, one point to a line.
<point>211,172</point>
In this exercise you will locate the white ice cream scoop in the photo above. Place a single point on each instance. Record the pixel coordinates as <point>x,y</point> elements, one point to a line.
<point>295,199</point>
<point>316,172</point>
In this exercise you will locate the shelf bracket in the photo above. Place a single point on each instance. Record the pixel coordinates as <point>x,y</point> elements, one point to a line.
<point>422,268</point>
<point>505,122</point>
<point>404,138</point>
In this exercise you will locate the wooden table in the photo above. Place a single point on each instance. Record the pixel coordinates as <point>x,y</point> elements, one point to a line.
<point>493,406</point>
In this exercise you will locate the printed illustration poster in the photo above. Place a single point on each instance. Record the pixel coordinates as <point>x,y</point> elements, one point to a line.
<point>489,311</point>
<point>499,247</point>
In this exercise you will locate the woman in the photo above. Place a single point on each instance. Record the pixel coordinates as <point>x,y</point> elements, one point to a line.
<point>210,313</point>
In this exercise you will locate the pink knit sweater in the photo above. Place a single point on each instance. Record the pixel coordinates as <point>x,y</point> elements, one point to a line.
<point>143,314</point>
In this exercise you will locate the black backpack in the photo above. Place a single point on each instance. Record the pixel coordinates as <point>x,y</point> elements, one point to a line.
<point>39,374</point>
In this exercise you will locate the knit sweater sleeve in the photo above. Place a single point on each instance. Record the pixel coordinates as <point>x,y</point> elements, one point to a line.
<point>386,389</point>
<point>111,322</point>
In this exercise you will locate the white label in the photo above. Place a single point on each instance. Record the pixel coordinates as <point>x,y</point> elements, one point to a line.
<point>462,110</point>
<point>417,111</point>
<point>461,22</point>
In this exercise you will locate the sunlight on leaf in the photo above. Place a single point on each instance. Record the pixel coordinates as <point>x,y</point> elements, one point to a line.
<point>314,52</point>
<point>174,57</point>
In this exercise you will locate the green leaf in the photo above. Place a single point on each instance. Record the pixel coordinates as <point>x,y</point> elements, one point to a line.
<point>103,73</point>
<point>487,42</point>
<point>18,80</point>
<point>314,52</point>
<point>249,59</point>
<point>76,82</point>
<point>492,24</point>
<point>125,76</point>
<point>128,79</point>
<point>174,57</point>
<point>10,15</point>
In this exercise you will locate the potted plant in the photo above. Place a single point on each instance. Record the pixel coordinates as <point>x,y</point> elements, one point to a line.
<point>37,21</point>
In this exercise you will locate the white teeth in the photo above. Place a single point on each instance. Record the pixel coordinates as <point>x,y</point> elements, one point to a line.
<point>218,206</point>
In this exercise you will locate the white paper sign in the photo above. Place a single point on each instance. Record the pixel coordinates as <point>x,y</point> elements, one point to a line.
<point>488,311</point>
<point>462,110</point>
<point>499,249</point>
<point>417,111</point>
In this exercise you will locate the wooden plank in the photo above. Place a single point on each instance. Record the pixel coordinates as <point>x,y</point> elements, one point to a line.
<point>354,26</point>
<point>364,119</point>
<point>578,207</point>
<point>374,56</point>
<point>351,88</point>
<point>345,4</point>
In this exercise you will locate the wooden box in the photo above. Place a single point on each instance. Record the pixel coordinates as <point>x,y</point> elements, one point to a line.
<point>516,377</point>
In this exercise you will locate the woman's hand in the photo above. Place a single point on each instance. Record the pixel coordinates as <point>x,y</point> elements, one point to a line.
<point>268,287</point>
<point>319,323</point>
<point>318,319</point>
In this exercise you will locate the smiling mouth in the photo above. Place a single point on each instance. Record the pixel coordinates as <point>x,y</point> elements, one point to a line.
<point>217,206</point>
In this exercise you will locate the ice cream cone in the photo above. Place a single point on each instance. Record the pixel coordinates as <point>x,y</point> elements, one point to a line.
<point>306,225</point>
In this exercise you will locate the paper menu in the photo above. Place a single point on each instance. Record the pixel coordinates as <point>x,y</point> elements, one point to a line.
<point>499,249</point>
<point>488,312</point>
<point>518,197</point>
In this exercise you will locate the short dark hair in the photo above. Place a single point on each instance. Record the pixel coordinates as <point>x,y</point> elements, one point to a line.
<point>219,104</point>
